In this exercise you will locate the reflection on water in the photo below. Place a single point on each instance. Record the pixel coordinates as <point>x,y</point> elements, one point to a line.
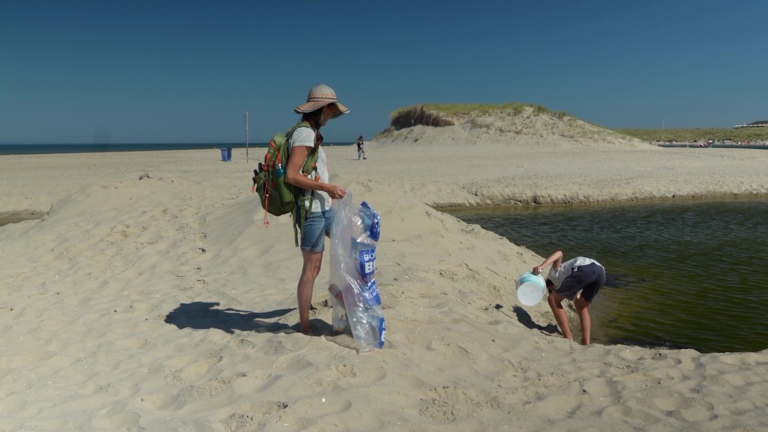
<point>680,274</point>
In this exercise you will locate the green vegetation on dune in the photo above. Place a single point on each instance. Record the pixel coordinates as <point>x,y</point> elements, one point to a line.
<point>438,115</point>
<point>690,135</point>
<point>458,109</point>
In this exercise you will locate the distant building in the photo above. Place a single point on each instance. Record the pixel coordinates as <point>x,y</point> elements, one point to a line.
<point>759,123</point>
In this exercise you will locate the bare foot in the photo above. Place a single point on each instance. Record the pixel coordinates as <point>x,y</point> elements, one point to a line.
<point>310,330</point>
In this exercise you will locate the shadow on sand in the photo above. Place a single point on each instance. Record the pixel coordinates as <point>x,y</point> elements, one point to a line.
<point>525,319</point>
<point>204,315</point>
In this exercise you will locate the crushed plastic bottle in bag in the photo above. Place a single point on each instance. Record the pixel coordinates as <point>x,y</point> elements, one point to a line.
<point>371,221</point>
<point>354,294</point>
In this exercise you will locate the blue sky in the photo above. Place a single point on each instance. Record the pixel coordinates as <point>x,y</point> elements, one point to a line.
<point>186,71</point>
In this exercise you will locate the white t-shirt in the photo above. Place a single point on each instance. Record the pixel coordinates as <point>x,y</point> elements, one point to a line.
<point>557,277</point>
<point>305,137</point>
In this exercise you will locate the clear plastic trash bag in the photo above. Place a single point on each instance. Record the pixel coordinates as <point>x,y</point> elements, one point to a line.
<point>354,295</point>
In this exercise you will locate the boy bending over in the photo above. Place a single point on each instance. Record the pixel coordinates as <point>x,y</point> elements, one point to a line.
<point>580,278</point>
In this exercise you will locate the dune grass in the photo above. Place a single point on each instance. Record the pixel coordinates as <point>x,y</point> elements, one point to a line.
<point>691,135</point>
<point>458,109</point>
<point>439,115</point>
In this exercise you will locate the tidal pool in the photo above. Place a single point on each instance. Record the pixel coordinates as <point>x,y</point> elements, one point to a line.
<point>680,274</point>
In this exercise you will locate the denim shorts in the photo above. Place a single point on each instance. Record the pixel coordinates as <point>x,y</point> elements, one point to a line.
<point>316,227</point>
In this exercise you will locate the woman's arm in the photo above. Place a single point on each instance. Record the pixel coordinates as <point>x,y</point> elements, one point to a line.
<point>555,259</point>
<point>294,176</point>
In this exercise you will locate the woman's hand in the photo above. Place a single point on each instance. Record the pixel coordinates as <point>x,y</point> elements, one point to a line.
<point>335,192</point>
<point>538,269</point>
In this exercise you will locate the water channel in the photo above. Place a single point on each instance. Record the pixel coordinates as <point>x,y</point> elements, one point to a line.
<point>688,274</point>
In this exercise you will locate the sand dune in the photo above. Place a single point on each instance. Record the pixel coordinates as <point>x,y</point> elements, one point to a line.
<point>164,304</point>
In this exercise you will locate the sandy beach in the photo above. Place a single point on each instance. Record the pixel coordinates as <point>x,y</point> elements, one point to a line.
<point>160,302</point>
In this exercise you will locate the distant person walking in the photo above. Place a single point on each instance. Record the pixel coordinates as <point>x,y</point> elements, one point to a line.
<point>322,105</point>
<point>360,148</point>
<point>577,280</point>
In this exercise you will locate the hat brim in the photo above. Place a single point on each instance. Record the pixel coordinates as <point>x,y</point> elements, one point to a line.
<point>338,111</point>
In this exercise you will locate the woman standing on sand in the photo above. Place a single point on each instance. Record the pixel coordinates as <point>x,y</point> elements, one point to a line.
<point>322,105</point>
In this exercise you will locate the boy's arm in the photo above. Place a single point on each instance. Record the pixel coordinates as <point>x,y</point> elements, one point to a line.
<point>555,259</point>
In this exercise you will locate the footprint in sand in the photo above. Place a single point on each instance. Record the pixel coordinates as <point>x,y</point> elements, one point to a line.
<point>292,363</point>
<point>275,347</point>
<point>255,382</point>
<point>618,414</point>
<point>347,375</point>
<point>321,407</point>
<point>243,345</point>
<point>676,402</point>
<point>132,343</point>
<point>193,393</point>
<point>253,417</point>
<point>127,421</point>
<point>62,361</point>
<point>278,346</point>
<point>450,349</point>
<point>449,403</point>
<point>156,401</point>
<point>695,414</point>
<point>193,372</point>
<point>187,395</point>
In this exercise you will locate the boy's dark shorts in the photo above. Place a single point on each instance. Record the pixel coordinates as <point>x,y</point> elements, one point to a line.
<point>587,278</point>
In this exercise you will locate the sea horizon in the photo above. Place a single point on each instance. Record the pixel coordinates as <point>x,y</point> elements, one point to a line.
<point>20,149</point>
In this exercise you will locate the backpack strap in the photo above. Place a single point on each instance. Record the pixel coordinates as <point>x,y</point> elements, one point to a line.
<point>293,129</point>
<point>310,165</point>
<point>301,203</point>
<point>300,220</point>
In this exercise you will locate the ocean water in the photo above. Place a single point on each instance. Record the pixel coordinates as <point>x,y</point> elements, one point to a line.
<point>9,149</point>
<point>682,274</point>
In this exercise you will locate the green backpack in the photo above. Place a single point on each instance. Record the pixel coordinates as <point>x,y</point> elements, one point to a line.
<point>277,196</point>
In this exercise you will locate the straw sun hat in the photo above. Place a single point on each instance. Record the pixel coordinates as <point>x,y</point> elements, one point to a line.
<point>320,96</point>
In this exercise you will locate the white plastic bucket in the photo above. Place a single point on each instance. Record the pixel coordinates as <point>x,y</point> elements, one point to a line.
<point>530,289</point>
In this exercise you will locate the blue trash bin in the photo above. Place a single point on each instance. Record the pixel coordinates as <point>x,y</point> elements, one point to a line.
<point>226,154</point>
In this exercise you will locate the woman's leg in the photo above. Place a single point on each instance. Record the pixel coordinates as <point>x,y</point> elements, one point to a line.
<point>309,272</point>
<point>582,307</point>
<point>555,303</point>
